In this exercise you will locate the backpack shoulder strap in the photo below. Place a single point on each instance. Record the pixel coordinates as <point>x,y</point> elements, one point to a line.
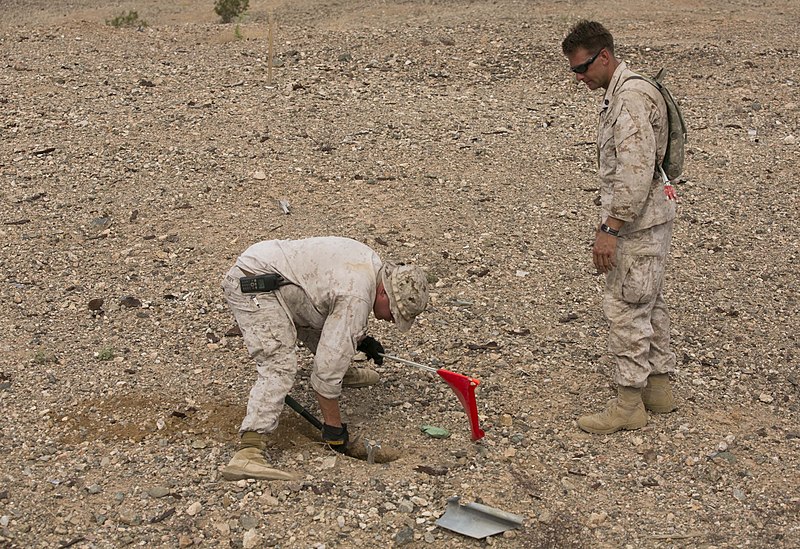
<point>652,81</point>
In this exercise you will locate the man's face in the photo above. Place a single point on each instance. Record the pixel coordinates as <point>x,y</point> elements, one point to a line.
<point>594,67</point>
<point>381,308</point>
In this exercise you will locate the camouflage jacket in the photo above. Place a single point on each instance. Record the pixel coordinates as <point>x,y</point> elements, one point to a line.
<point>338,282</point>
<point>631,141</point>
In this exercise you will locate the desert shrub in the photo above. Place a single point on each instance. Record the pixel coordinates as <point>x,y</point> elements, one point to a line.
<point>105,353</point>
<point>229,10</point>
<point>43,357</point>
<point>130,19</point>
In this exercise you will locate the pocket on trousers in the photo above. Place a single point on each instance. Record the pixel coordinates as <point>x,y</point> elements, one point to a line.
<point>640,278</point>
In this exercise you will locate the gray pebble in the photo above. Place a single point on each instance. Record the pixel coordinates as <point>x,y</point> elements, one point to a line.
<point>248,522</point>
<point>404,536</point>
<point>405,506</point>
<point>158,491</point>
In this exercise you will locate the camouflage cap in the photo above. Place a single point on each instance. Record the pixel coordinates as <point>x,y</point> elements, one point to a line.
<point>407,288</point>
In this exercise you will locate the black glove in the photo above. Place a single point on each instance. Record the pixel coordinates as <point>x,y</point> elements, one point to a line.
<point>336,437</point>
<point>372,348</point>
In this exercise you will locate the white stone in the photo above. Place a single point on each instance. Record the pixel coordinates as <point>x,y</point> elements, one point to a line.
<point>251,539</point>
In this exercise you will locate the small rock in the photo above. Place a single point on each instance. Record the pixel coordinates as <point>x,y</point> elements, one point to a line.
<point>545,517</point>
<point>259,175</point>
<point>158,491</point>
<point>790,140</point>
<point>418,501</point>
<point>194,508</point>
<point>185,541</point>
<point>248,522</point>
<point>404,536</point>
<point>129,517</point>
<point>94,488</point>
<point>765,397</point>
<point>223,528</point>
<point>130,301</point>
<point>506,420</point>
<point>251,539</point>
<point>405,506</point>
<point>596,519</point>
<point>272,501</point>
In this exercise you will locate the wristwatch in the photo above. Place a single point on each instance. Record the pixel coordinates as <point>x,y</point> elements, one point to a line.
<point>606,229</point>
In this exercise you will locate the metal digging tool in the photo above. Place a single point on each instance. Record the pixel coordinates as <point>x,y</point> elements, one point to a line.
<point>477,520</point>
<point>463,386</point>
<point>372,452</point>
<point>297,407</point>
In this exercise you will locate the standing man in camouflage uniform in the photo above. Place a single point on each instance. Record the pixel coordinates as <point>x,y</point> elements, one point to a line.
<point>634,232</point>
<point>325,290</point>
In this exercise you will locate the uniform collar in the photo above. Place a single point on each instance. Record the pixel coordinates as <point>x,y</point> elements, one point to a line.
<point>612,85</point>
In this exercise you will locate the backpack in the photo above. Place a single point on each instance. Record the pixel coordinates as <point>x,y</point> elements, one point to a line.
<point>672,165</point>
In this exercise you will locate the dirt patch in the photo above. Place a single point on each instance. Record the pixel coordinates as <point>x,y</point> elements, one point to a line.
<point>131,418</point>
<point>137,164</point>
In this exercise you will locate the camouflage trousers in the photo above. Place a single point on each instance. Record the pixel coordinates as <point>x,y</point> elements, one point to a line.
<point>270,337</point>
<point>633,303</point>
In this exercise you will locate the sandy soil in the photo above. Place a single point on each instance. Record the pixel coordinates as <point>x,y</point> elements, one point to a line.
<point>138,163</point>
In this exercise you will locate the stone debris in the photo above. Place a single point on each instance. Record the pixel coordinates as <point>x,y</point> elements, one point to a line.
<point>137,163</point>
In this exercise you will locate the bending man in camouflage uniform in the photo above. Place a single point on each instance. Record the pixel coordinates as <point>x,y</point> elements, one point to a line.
<point>633,237</point>
<point>327,289</point>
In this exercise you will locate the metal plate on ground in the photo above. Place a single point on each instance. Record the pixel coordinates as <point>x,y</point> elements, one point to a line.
<point>477,520</point>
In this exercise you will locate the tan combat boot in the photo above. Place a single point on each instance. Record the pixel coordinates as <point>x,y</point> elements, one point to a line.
<point>657,396</point>
<point>249,461</point>
<point>360,377</point>
<point>624,412</point>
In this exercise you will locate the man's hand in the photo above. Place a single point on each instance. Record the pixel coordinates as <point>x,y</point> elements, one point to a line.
<point>372,348</point>
<point>603,252</point>
<point>336,437</point>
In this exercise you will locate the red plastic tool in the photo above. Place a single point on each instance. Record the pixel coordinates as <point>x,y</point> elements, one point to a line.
<point>464,388</point>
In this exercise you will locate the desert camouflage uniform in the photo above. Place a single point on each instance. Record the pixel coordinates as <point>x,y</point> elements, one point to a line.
<point>631,135</point>
<point>333,282</point>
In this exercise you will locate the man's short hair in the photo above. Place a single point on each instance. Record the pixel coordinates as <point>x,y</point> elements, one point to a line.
<point>589,35</point>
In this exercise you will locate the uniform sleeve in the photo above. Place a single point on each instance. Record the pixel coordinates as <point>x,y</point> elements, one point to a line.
<point>344,326</point>
<point>636,159</point>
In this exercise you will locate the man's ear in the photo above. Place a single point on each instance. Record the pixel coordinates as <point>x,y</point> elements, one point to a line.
<point>381,290</point>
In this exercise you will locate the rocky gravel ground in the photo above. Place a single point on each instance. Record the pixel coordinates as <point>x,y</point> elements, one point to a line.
<point>138,163</point>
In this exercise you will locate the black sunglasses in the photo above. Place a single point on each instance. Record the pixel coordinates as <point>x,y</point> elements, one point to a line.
<point>583,67</point>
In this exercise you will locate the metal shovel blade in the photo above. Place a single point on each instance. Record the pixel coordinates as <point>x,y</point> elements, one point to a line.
<point>477,520</point>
